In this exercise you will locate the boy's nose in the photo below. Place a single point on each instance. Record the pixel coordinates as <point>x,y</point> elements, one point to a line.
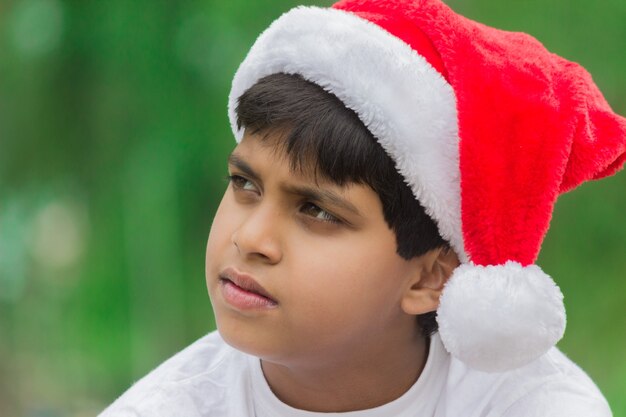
<point>257,236</point>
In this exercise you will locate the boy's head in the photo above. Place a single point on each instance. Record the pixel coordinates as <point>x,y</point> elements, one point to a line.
<point>318,215</point>
<point>486,128</point>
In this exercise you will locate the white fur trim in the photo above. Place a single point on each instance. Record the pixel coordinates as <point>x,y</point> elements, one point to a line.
<point>406,104</point>
<point>497,318</point>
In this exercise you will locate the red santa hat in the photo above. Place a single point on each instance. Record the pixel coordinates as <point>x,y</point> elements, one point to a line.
<point>486,126</point>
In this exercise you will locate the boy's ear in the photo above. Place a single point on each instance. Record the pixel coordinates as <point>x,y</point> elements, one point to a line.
<point>424,289</point>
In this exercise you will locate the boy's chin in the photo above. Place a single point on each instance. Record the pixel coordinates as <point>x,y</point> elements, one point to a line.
<point>248,342</point>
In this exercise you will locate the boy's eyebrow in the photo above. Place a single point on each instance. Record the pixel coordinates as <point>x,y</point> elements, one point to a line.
<point>309,193</point>
<point>322,196</point>
<point>236,161</point>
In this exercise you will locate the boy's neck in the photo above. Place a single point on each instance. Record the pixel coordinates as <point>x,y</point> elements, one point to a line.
<point>370,377</point>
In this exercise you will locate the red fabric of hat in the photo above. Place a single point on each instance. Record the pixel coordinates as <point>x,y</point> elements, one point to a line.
<point>531,124</point>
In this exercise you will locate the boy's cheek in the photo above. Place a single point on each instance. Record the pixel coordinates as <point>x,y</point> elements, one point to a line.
<point>223,223</point>
<point>219,238</point>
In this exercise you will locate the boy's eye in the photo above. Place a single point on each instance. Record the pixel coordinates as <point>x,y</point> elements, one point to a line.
<point>312,210</point>
<point>240,183</point>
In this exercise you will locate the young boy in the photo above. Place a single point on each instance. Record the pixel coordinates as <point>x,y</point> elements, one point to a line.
<point>394,160</point>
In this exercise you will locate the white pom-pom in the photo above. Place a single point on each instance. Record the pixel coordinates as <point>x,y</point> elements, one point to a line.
<point>497,318</point>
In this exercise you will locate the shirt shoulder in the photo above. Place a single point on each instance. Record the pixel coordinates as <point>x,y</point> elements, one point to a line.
<point>550,386</point>
<point>194,382</point>
<point>560,389</point>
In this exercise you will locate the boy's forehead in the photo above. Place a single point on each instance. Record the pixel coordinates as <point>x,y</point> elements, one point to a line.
<point>270,149</point>
<point>271,145</point>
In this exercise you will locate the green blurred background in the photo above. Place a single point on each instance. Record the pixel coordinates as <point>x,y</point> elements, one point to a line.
<point>113,138</point>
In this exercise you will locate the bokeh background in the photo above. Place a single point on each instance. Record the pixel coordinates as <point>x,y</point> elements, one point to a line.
<point>113,138</point>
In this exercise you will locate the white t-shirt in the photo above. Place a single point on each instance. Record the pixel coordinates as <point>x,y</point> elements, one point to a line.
<point>211,379</point>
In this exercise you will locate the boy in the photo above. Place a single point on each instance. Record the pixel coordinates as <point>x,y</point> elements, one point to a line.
<point>394,160</point>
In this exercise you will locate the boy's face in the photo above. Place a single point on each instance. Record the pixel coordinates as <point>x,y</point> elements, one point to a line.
<point>323,254</point>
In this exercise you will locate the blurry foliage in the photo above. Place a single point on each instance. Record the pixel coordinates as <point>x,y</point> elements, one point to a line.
<point>113,138</point>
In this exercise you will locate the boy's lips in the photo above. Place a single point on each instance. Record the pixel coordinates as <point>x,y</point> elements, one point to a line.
<point>244,291</point>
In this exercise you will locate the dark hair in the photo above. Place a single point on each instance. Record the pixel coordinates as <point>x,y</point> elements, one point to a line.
<point>320,133</point>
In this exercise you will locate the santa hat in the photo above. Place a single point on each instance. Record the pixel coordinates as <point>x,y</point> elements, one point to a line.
<point>486,126</point>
